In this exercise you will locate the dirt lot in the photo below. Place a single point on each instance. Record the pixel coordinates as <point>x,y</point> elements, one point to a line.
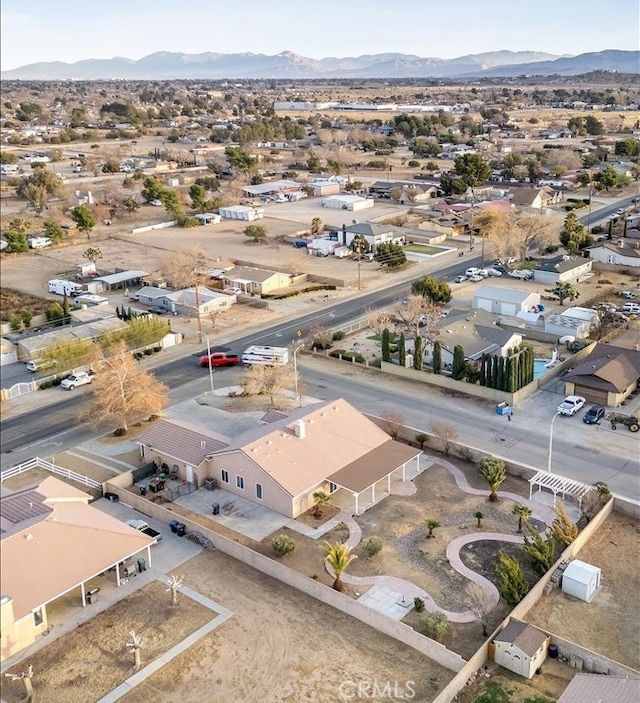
<point>87,663</point>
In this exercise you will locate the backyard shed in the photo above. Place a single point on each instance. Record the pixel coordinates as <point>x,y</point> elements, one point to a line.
<point>582,580</point>
<point>521,648</point>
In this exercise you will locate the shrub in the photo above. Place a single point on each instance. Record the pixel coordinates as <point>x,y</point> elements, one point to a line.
<point>148,352</point>
<point>372,545</point>
<point>15,322</point>
<point>337,336</point>
<point>156,350</point>
<point>26,316</point>
<point>435,625</point>
<point>413,163</point>
<point>347,355</point>
<point>121,431</point>
<point>283,544</point>
<point>418,604</point>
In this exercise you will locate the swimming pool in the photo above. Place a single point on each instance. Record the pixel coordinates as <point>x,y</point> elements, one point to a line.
<point>539,367</point>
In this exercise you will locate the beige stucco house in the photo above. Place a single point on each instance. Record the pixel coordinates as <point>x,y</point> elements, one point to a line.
<point>254,280</point>
<point>53,543</point>
<point>327,446</point>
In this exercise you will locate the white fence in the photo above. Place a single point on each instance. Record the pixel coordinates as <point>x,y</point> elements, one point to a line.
<point>18,389</point>
<point>38,463</point>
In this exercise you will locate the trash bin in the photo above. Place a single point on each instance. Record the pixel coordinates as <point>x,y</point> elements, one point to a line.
<point>502,408</point>
<point>173,525</point>
<point>210,483</point>
<point>553,651</point>
<point>142,565</point>
<point>215,507</point>
<point>181,529</point>
<point>143,489</point>
<point>92,595</point>
<point>113,497</point>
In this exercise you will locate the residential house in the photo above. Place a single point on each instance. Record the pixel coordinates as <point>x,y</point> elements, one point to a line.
<point>327,446</point>
<point>477,333</point>
<point>504,301</point>
<point>409,191</point>
<point>148,295</point>
<point>537,198</point>
<point>374,234</point>
<point>194,303</point>
<point>607,376</point>
<point>255,281</point>
<point>120,280</point>
<point>283,188</point>
<point>562,269</point>
<point>54,543</point>
<point>617,252</point>
<point>521,648</point>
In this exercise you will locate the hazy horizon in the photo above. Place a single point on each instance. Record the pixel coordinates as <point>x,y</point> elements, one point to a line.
<point>41,31</point>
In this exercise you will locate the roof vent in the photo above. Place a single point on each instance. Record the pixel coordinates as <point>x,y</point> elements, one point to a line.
<point>28,536</point>
<point>300,429</point>
<point>203,443</point>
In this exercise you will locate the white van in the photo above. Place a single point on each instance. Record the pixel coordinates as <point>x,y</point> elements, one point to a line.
<point>268,356</point>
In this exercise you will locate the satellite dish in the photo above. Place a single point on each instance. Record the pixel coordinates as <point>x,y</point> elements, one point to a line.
<point>567,338</point>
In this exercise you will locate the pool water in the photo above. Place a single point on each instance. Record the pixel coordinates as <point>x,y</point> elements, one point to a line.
<point>539,367</point>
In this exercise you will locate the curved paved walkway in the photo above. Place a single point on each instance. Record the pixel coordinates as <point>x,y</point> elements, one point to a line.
<point>407,590</point>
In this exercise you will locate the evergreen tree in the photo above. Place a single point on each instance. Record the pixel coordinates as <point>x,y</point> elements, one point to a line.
<point>417,354</point>
<point>458,362</point>
<point>542,552</point>
<point>402,351</point>
<point>436,364</point>
<point>494,371</point>
<point>483,370</point>
<point>512,583</point>
<point>386,343</point>
<point>500,373</point>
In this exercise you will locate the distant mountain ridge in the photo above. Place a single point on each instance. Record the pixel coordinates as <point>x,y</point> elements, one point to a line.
<point>164,65</point>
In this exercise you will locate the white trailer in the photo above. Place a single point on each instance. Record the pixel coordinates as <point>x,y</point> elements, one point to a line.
<point>61,287</point>
<point>269,356</point>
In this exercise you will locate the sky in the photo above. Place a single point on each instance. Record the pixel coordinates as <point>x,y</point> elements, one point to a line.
<point>72,30</point>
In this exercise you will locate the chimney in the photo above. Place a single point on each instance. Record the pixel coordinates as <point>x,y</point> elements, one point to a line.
<point>300,429</point>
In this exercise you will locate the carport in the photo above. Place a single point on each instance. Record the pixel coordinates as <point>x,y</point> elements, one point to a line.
<point>371,474</point>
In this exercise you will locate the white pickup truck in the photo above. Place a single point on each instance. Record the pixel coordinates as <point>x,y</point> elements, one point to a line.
<point>80,378</point>
<point>143,527</point>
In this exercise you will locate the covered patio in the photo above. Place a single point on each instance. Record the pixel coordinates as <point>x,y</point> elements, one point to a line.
<point>368,479</point>
<point>559,486</point>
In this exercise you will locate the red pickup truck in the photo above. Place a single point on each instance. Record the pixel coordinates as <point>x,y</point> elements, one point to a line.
<point>220,359</point>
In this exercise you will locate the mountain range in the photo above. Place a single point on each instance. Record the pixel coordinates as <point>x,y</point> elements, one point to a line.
<point>164,65</point>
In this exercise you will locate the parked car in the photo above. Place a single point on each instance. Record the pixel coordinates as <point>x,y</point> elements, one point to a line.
<point>571,404</point>
<point>155,202</point>
<point>626,294</point>
<point>220,359</point>
<point>157,310</point>
<point>459,279</point>
<point>80,378</point>
<point>40,365</point>
<point>593,415</point>
<point>476,277</point>
<point>631,308</point>
<point>472,271</point>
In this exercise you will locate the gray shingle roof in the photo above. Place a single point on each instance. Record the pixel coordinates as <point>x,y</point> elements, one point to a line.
<point>182,441</point>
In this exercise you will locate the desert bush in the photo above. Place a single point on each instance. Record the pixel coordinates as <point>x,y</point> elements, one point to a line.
<point>283,544</point>
<point>121,431</point>
<point>337,336</point>
<point>435,625</point>
<point>372,545</point>
<point>418,604</point>
<point>348,355</point>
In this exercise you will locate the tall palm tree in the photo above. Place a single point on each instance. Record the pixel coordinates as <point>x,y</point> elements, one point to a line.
<point>321,499</point>
<point>523,512</point>
<point>338,557</point>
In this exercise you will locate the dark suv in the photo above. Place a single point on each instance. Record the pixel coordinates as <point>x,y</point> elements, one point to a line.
<point>593,415</point>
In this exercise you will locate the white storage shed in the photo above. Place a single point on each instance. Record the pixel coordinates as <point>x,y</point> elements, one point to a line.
<point>347,202</point>
<point>504,301</point>
<point>242,212</point>
<point>582,580</point>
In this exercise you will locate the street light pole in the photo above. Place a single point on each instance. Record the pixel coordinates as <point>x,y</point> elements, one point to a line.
<point>209,363</point>
<point>551,442</point>
<point>295,371</point>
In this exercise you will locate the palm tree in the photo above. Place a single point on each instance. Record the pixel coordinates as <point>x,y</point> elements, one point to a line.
<point>431,525</point>
<point>493,472</point>
<point>321,499</point>
<point>338,558</point>
<point>523,512</point>
<point>478,515</point>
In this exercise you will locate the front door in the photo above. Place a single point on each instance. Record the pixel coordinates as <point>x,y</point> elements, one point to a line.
<point>189,470</point>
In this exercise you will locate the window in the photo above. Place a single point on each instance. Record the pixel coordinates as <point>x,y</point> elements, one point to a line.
<point>332,487</point>
<point>240,482</point>
<point>224,475</point>
<point>259,491</point>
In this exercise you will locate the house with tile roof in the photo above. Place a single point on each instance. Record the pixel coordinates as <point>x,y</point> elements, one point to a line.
<point>521,648</point>
<point>279,464</point>
<point>54,543</point>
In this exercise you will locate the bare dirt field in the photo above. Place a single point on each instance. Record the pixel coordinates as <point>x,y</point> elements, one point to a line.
<point>87,663</point>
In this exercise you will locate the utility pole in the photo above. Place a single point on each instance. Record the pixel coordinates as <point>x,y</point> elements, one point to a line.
<point>198,312</point>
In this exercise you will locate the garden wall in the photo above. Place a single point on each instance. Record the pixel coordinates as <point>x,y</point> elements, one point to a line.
<point>149,228</point>
<point>590,661</point>
<point>388,626</point>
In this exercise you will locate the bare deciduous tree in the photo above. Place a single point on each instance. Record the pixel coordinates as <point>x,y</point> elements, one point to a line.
<point>174,584</point>
<point>320,336</point>
<point>446,433</point>
<point>478,603</point>
<point>135,643</point>
<point>268,380</point>
<point>184,267</point>
<point>123,391</point>
<point>25,677</point>
<point>394,423</point>
<point>379,321</point>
